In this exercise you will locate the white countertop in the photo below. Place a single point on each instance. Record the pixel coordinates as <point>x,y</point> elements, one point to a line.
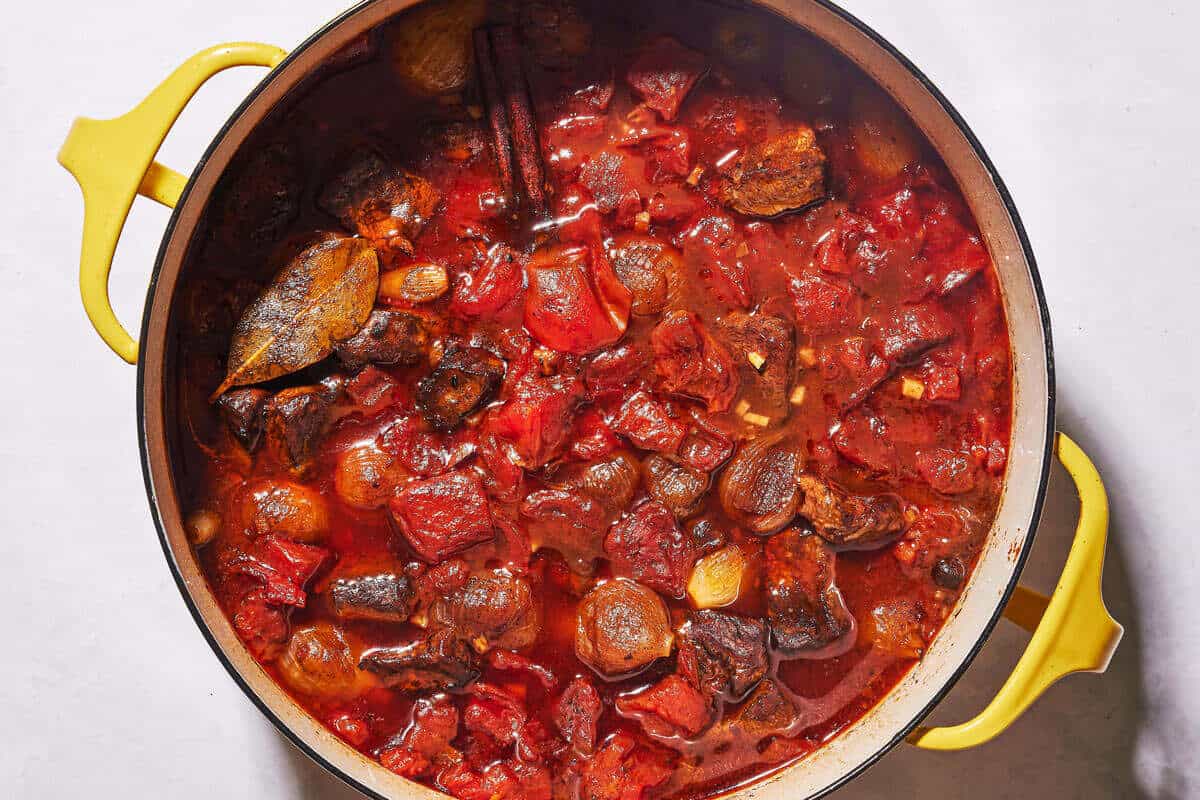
<point>1089,111</point>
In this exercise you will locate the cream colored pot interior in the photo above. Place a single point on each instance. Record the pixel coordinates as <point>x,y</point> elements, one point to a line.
<point>981,600</point>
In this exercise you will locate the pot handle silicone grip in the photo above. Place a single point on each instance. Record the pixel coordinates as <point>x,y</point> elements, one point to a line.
<point>113,161</point>
<point>1072,630</point>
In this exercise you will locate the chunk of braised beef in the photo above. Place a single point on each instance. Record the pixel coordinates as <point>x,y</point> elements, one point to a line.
<point>443,515</point>
<point>663,74</point>
<point>714,257</point>
<point>762,345</point>
<point>241,409</point>
<point>861,439</point>
<point>692,363</point>
<point>497,780</point>
<point>671,707</point>
<point>850,520</point>
<point>614,369</point>
<point>823,303</point>
<point>533,424</point>
<point>608,176</point>
<point>650,269</point>
<point>759,486</point>
<point>293,419</point>
<point>387,338</point>
<point>649,546</point>
<point>261,624</point>
<point>852,370</point>
<point>557,34</point>
<point>492,610</point>
<point>677,487</point>
<point>767,712</point>
<point>568,521</point>
<point>707,534</point>
<point>723,654</point>
<point>621,628</point>
<point>707,445</point>
<point>466,379</point>
<point>913,330</point>
<point>372,389</point>
<point>379,596</point>
<point>947,471</point>
<point>780,174</point>
<point>624,769</point>
<point>649,424</point>
<point>612,481</point>
<point>413,751</point>
<point>438,662</point>
<point>575,302</point>
<point>807,614</point>
<point>591,437</point>
<point>576,714</point>
<point>386,205</point>
<point>491,285</point>
<point>281,567</point>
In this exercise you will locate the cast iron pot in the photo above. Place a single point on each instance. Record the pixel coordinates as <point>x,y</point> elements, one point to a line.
<point>113,160</point>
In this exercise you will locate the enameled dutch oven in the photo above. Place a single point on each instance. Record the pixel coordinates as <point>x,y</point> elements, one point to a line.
<point>113,160</point>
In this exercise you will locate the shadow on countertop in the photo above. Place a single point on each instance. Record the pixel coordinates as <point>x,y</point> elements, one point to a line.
<point>1078,741</point>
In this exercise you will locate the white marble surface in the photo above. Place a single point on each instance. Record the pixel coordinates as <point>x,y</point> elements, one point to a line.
<point>1089,111</point>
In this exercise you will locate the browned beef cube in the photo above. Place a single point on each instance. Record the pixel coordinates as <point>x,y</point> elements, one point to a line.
<point>436,663</point>
<point>242,411</point>
<point>849,520</point>
<point>294,418</point>
<point>778,175</point>
<point>388,338</point>
<point>808,616</point>
<point>382,597</point>
<point>464,380</point>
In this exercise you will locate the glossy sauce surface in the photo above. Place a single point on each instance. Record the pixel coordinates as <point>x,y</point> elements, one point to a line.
<point>655,315</point>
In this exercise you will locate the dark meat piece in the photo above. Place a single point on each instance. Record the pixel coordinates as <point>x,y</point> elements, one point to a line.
<point>649,424</point>
<point>242,411</point>
<point>492,611</point>
<point>913,330</point>
<point>444,515</point>
<point>372,389</point>
<point>860,522</point>
<point>762,345</point>
<point>862,439</point>
<point>715,254</point>
<point>467,378</point>
<point>382,596</point>
<point>385,205</point>
<point>556,34</point>
<point>808,616</point>
<point>649,546</point>
<point>621,627</point>
<point>723,654</point>
<point>265,197</point>
<point>778,175</point>
<point>388,337</point>
<point>576,714</point>
<point>690,362</point>
<point>615,368</point>
<point>675,486</point>
<point>767,712</point>
<point>623,769</point>
<point>664,73</point>
<point>570,522</point>
<point>611,481</point>
<point>671,707</point>
<point>852,370</point>
<point>759,487</point>
<point>575,302</point>
<point>294,418</point>
<point>650,269</point>
<point>436,663</point>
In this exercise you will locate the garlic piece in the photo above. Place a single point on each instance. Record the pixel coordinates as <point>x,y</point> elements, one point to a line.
<point>717,578</point>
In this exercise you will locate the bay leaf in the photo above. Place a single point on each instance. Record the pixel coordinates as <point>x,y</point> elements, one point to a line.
<point>322,296</point>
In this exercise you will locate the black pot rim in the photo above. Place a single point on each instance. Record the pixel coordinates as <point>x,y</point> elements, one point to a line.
<point>1035,511</point>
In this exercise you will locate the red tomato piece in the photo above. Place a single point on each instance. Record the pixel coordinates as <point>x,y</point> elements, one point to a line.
<point>491,285</point>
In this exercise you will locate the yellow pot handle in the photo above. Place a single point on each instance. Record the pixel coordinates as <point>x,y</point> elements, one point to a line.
<point>1072,630</point>
<point>113,161</point>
